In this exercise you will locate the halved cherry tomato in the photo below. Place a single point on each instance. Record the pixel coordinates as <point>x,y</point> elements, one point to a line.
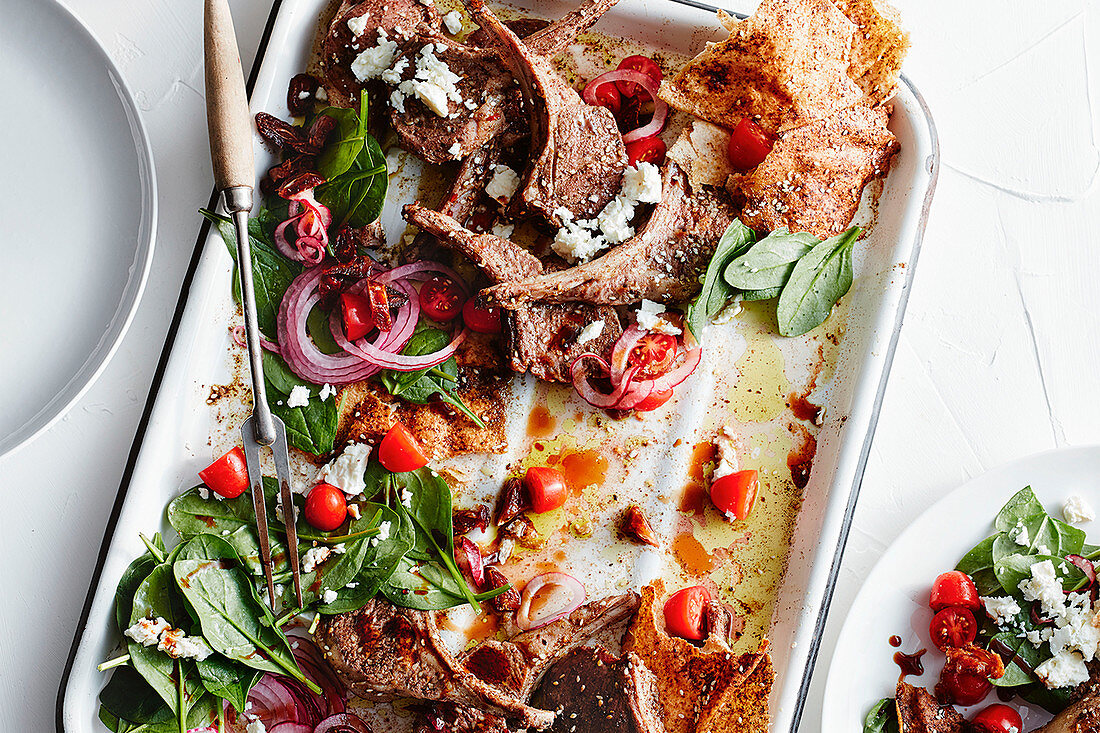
<point>653,354</point>
<point>954,588</point>
<point>964,688</point>
<point>326,507</point>
<point>655,400</point>
<point>735,493</point>
<point>441,299</point>
<point>684,613</point>
<point>647,150</point>
<point>643,64</point>
<point>546,487</point>
<point>358,321</point>
<point>998,718</point>
<point>227,476</point>
<point>481,320</point>
<point>954,627</point>
<point>748,145</point>
<point>399,450</point>
<point>607,95</point>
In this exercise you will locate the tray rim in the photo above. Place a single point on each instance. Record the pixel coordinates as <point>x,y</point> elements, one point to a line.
<point>806,661</point>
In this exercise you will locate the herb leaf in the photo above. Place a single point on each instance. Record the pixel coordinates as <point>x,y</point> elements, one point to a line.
<point>882,718</point>
<point>716,292</point>
<point>768,263</point>
<point>817,281</point>
<point>419,386</point>
<point>129,697</point>
<point>338,156</point>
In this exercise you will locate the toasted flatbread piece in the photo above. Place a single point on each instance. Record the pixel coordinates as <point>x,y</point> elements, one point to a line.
<point>918,712</point>
<point>704,689</point>
<point>878,48</point>
<point>814,176</point>
<point>701,151</point>
<point>784,66</point>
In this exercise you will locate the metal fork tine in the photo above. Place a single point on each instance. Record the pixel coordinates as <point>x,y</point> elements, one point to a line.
<point>259,505</point>
<point>282,470</point>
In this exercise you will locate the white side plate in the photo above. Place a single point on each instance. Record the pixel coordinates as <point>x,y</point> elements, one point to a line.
<point>78,202</point>
<point>894,598</point>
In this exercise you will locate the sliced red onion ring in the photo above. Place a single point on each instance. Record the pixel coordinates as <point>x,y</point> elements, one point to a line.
<point>422,271</point>
<point>1085,566</point>
<point>588,391</point>
<point>290,727</point>
<point>693,354</point>
<point>558,595</point>
<point>311,220</point>
<point>342,723</point>
<point>660,108</point>
<point>469,559</point>
<point>237,333</point>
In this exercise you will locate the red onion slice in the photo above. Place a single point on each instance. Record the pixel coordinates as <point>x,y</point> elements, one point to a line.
<point>558,595</point>
<point>290,727</point>
<point>660,108</point>
<point>588,391</point>
<point>469,559</point>
<point>342,723</point>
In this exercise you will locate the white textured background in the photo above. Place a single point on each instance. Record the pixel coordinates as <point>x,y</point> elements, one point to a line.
<point>999,355</point>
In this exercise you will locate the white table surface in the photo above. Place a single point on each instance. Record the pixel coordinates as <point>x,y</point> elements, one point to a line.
<point>998,358</point>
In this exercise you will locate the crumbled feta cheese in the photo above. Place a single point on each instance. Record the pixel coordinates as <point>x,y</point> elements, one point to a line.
<point>321,94</point>
<point>358,25</point>
<point>1020,536</point>
<point>314,556</point>
<point>590,332</point>
<point>455,150</point>
<point>353,511</point>
<point>434,83</point>
<point>397,101</point>
<point>503,184</point>
<point>1044,586</point>
<point>428,3</point>
<point>1077,510</point>
<point>299,396</point>
<point>327,391</point>
<point>615,218</point>
<point>383,531</point>
<point>577,243</point>
<point>255,725</point>
<point>727,453</point>
<point>179,645</point>
<point>504,231</point>
<point>642,183</point>
<point>345,472</point>
<point>406,497</point>
<point>372,62</point>
<point>204,493</point>
<point>392,75</point>
<point>329,596</point>
<point>147,631</point>
<point>649,318</point>
<point>1063,670</point>
<point>1001,608</point>
<point>304,94</point>
<point>452,21</point>
<point>339,548</point>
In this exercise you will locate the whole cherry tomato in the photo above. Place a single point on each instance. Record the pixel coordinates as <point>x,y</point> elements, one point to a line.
<point>954,588</point>
<point>998,718</point>
<point>326,507</point>
<point>546,487</point>
<point>954,627</point>
<point>735,493</point>
<point>399,450</point>
<point>645,65</point>
<point>227,476</point>
<point>684,613</point>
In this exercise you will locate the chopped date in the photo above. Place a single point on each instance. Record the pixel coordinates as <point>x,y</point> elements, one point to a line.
<point>637,527</point>
<point>300,94</point>
<point>508,600</point>
<point>319,131</point>
<point>467,520</point>
<point>522,530</point>
<point>337,278</point>
<point>293,166</point>
<point>379,298</point>
<point>349,241</point>
<point>283,135</point>
<point>514,500</point>
<point>299,183</point>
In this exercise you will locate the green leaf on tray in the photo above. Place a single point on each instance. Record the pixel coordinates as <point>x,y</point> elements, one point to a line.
<point>882,718</point>
<point>816,283</point>
<point>128,697</point>
<point>767,265</point>
<point>716,292</point>
<point>418,387</point>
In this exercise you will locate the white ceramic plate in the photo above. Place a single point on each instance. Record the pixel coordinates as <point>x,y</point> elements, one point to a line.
<point>78,202</point>
<point>894,598</point>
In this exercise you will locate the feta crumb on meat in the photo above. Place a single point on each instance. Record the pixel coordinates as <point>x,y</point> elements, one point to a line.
<point>1078,511</point>
<point>455,150</point>
<point>649,318</point>
<point>313,557</point>
<point>615,219</point>
<point>642,183</point>
<point>392,75</point>
<point>503,184</point>
<point>434,83</point>
<point>590,332</point>
<point>372,62</point>
<point>452,21</point>
<point>504,231</point>
<point>345,472</point>
<point>358,25</point>
<point>299,396</point>
<point>1000,608</point>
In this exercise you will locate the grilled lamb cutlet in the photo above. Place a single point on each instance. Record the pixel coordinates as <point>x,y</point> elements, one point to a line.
<point>591,690</point>
<point>578,156</point>
<point>920,712</point>
<point>492,105</point>
<point>542,339</point>
<point>661,262</point>
<point>385,652</point>
<point>400,19</point>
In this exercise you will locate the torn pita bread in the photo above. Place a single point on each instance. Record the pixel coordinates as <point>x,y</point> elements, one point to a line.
<point>701,151</point>
<point>814,176</point>
<point>702,690</point>
<point>919,712</point>
<point>879,46</point>
<point>785,66</point>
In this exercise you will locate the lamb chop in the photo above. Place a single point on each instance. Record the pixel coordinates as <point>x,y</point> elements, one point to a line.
<point>661,262</point>
<point>491,104</point>
<point>542,339</point>
<point>384,652</point>
<point>615,694</point>
<point>578,156</point>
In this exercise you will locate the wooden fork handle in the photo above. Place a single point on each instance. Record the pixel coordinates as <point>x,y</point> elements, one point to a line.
<point>227,111</point>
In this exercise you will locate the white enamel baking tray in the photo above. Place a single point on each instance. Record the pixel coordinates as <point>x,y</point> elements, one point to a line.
<point>177,437</point>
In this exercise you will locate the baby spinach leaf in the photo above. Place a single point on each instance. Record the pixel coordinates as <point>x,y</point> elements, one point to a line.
<point>715,291</point>
<point>766,294</point>
<point>426,587</point>
<point>280,377</point>
<point>129,697</point>
<point>201,713</point>
<point>1053,701</point>
<point>768,264</point>
<point>310,428</point>
<point>1021,507</point>
<point>1015,675</point>
<point>418,387</point>
<point>978,564</point>
<point>817,281</point>
<point>882,718</point>
<point>191,515</point>
<point>1013,569</point>
<point>227,680</point>
<point>135,573</point>
<point>378,563</point>
<point>346,142</point>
